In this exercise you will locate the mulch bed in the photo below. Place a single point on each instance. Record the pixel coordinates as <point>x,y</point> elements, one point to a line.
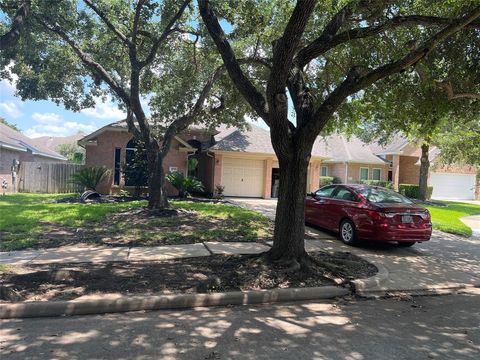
<point>216,273</point>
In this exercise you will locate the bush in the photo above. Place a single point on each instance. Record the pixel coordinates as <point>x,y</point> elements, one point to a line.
<point>382,183</point>
<point>326,180</point>
<point>412,191</point>
<point>329,180</point>
<point>90,177</point>
<point>184,185</point>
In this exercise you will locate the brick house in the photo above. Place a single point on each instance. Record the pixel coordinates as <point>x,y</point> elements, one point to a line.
<point>351,160</point>
<point>16,147</point>
<point>243,161</point>
<point>449,182</point>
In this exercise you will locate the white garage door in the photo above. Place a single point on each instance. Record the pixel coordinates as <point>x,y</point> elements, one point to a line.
<point>453,186</point>
<point>243,177</point>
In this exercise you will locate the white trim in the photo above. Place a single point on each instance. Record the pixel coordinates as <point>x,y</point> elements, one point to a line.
<point>12,147</point>
<point>360,173</point>
<point>184,143</point>
<point>380,177</point>
<point>83,141</point>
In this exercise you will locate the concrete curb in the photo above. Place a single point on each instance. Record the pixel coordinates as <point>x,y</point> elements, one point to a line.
<point>430,291</point>
<point>362,286</point>
<point>181,301</point>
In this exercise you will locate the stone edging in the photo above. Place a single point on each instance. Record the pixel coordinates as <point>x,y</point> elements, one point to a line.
<point>180,301</point>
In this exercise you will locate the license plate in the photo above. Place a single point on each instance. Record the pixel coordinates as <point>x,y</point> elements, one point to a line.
<point>407,219</point>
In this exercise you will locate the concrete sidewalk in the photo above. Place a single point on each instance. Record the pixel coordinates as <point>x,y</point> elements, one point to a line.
<point>98,254</point>
<point>473,222</point>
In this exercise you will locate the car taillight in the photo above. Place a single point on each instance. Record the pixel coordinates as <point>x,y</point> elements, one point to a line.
<point>376,215</point>
<point>425,215</point>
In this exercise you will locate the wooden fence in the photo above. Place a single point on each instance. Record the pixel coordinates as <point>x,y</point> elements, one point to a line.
<point>36,177</point>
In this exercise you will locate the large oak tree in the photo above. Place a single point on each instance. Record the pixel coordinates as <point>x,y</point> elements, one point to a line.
<point>73,52</point>
<point>322,54</point>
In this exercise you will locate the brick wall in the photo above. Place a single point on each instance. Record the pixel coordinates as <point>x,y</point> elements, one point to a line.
<point>409,172</point>
<point>354,172</point>
<point>103,154</point>
<point>338,170</point>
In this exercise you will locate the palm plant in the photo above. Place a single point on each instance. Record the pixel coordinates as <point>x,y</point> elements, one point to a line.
<point>90,177</point>
<point>184,185</point>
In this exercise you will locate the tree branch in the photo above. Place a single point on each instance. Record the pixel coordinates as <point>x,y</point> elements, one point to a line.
<point>448,87</point>
<point>11,37</point>
<point>107,22</point>
<point>321,45</point>
<point>254,97</point>
<point>167,31</point>
<point>88,62</point>
<point>359,78</point>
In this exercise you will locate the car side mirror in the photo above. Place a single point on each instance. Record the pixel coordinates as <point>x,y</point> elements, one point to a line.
<point>311,194</point>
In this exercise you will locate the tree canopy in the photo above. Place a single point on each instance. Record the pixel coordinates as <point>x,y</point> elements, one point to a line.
<point>322,56</point>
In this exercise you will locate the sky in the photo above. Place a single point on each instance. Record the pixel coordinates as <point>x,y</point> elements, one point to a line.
<point>45,118</point>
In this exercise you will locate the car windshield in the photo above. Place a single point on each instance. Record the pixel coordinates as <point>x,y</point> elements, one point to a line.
<point>385,196</point>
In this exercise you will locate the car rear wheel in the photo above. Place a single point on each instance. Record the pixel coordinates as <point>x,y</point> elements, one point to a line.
<point>406,243</point>
<point>348,234</point>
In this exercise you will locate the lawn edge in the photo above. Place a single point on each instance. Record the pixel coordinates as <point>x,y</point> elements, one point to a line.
<point>160,302</point>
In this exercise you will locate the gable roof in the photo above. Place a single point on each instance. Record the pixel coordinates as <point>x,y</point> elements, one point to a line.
<point>52,142</point>
<point>117,126</point>
<point>347,149</point>
<point>15,140</point>
<point>393,147</point>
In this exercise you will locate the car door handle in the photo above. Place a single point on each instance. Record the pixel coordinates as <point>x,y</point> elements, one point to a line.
<point>321,201</point>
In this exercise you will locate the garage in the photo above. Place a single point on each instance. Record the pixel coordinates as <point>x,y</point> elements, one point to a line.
<point>243,177</point>
<point>453,186</point>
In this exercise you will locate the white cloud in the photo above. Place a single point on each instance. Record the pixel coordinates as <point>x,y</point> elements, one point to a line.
<point>105,110</point>
<point>46,118</point>
<point>51,124</point>
<point>64,129</point>
<point>10,109</point>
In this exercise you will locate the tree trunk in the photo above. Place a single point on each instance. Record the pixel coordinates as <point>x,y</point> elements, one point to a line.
<point>289,233</point>
<point>157,194</point>
<point>424,167</point>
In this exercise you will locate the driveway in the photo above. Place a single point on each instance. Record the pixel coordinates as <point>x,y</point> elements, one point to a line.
<point>445,262</point>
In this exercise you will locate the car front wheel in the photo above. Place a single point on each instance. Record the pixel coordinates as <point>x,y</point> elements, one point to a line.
<point>348,234</point>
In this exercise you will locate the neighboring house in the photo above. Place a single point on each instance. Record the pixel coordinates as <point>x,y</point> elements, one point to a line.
<point>53,142</point>
<point>243,161</point>
<point>14,146</point>
<point>351,160</point>
<point>449,182</point>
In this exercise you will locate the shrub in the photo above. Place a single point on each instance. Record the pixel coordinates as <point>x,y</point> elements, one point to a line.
<point>382,183</point>
<point>90,177</point>
<point>412,191</point>
<point>184,185</point>
<point>326,180</point>
<point>219,189</point>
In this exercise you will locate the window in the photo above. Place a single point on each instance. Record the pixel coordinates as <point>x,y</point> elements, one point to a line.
<point>324,171</point>
<point>384,196</point>
<point>363,173</point>
<point>345,194</point>
<point>376,174</point>
<point>116,174</point>
<point>325,191</point>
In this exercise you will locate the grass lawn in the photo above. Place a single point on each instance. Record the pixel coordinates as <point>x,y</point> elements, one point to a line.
<point>37,220</point>
<point>448,218</point>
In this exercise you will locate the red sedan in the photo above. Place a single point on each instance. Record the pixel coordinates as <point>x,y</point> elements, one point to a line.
<point>361,212</point>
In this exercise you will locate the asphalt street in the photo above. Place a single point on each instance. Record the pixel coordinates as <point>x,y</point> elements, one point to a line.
<point>433,327</point>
